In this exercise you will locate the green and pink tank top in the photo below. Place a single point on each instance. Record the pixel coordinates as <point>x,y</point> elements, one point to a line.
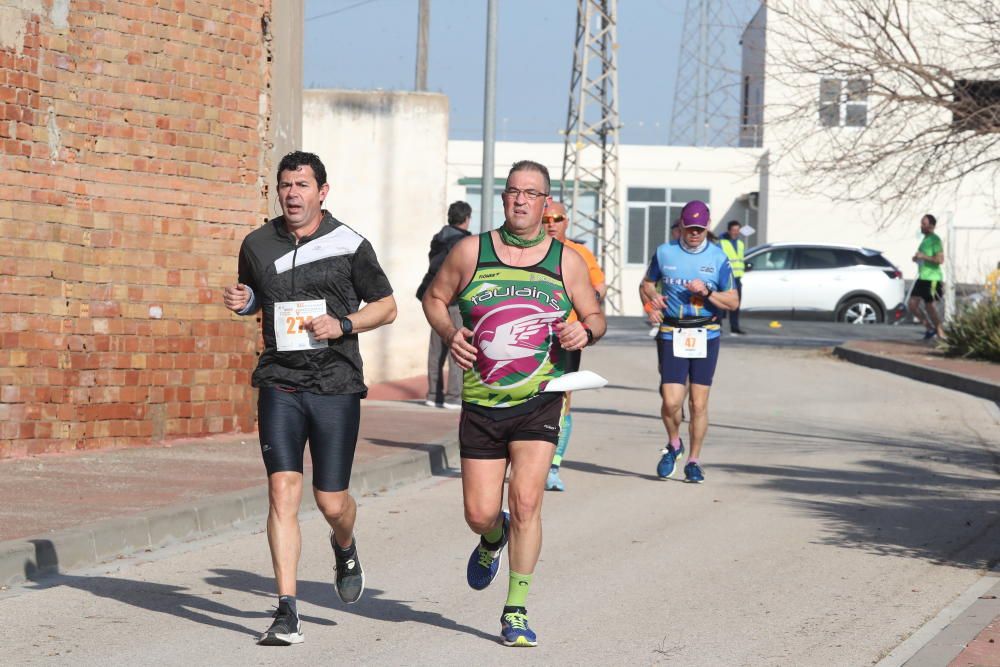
<point>512,312</point>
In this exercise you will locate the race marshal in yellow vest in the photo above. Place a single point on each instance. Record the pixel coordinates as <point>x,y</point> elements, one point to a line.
<point>732,244</point>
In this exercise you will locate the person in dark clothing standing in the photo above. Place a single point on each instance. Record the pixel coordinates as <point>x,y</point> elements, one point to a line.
<point>440,394</point>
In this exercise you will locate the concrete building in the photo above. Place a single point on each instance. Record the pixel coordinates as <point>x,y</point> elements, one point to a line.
<point>386,159</point>
<point>797,105</point>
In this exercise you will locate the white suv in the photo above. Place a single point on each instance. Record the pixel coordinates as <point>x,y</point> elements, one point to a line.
<point>813,281</point>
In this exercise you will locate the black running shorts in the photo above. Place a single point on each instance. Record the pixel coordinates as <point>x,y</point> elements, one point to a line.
<point>288,417</point>
<point>928,290</point>
<point>485,433</point>
<point>680,370</point>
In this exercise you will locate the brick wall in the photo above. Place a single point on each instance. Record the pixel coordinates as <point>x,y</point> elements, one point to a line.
<point>134,162</point>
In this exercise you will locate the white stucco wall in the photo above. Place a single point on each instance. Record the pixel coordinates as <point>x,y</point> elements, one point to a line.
<point>385,154</point>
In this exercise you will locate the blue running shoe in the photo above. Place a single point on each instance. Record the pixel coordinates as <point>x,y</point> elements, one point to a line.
<point>515,631</point>
<point>693,473</point>
<point>553,482</point>
<point>930,333</point>
<point>484,563</point>
<point>668,462</point>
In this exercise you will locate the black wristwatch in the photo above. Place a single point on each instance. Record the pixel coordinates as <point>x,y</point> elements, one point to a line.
<point>346,326</point>
<point>590,334</point>
<point>710,292</point>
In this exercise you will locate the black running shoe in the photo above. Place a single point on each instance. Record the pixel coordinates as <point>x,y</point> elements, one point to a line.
<point>350,576</point>
<point>284,631</point>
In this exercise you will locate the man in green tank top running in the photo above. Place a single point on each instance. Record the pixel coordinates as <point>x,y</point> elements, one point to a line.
<point>515,288</point>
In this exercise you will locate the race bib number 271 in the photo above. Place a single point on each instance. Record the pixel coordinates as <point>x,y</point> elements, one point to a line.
<point>290,320</point>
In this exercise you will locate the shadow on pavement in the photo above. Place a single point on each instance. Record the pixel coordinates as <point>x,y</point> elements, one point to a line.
<point>596,469</point>
<point>372,605</point>
<point>438,454</point>
<point>622,387</point>
<point>167,599</point>
<point>938,505</point>
<point>618,413</point>
<point>202,609</point>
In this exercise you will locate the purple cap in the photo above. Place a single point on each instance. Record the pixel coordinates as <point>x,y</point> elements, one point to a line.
<point>695,214</point>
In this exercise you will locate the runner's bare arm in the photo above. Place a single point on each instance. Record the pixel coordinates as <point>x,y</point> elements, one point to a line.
<point>451,277</point>
<point>647,291</point>
<point>577,280</point>
<point>936,258</point>
<point>369,316</point>
<point>373,315</point>
<point>727,300</point>
<point>653,315</point>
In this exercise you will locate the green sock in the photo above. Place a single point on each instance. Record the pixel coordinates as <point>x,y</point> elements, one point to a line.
<point>517,589</point>
<point>494,536</point>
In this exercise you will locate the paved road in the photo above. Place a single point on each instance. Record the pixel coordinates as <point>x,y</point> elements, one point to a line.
<point>843,508</point>
<point>791,333</point>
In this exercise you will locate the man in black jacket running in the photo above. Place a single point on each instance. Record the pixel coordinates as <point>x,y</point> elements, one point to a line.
<point>317,285</point>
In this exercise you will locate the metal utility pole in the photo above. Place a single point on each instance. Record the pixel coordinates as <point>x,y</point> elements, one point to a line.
<point>590,153</point>
<point>423,23</point>
<point>706,97</point>
<point>489,116</point>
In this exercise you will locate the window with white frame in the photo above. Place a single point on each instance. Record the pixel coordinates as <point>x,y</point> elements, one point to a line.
<point>650,212</point>
<point>843,102</point>
<point>976,106</point>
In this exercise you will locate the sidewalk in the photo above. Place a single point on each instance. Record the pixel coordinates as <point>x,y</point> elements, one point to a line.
<point>921,361</point>
<point>959,638</point>
<point>71,511</point>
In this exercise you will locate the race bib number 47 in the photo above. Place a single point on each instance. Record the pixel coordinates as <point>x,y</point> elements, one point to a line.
<point>290,320</point>
<point>691,343</point>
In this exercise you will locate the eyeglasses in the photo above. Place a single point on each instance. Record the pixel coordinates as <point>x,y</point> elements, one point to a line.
<point>553,218</point>
<point>530,195</point>
<point>693,230</point>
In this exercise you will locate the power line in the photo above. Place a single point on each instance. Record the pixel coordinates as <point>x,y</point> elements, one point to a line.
<point>342,9</point>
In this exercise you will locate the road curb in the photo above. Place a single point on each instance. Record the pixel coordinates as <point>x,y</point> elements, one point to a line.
<point>944,637</point>
<point>980,388</point>
<point>39,556</point>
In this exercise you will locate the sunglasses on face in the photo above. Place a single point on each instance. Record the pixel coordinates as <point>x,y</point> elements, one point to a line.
<point>553,218</point>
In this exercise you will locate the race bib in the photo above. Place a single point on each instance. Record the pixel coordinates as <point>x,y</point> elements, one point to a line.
<point>290,319</point>
<point>690,343</point>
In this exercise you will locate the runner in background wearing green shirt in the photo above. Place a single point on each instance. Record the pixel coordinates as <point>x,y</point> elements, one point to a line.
<point>929,286</point>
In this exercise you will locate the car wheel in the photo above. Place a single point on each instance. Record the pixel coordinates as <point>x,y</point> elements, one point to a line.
<point>860,310</point>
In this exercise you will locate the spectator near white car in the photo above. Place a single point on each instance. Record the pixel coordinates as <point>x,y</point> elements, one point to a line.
<point>822,281</point>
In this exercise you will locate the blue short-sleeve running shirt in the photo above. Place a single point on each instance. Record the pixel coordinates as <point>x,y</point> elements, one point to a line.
<point>672,266</point>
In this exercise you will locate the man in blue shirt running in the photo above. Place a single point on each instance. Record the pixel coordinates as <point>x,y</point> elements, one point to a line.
<point>696,285</point>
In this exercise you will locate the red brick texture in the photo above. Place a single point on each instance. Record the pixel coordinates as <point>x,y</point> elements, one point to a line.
<point>134,160</point>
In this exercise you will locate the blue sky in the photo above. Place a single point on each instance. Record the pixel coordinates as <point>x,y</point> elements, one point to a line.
<point>369,44</point>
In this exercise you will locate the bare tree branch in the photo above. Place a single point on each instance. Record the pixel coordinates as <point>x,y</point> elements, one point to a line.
<point>924,75</point>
